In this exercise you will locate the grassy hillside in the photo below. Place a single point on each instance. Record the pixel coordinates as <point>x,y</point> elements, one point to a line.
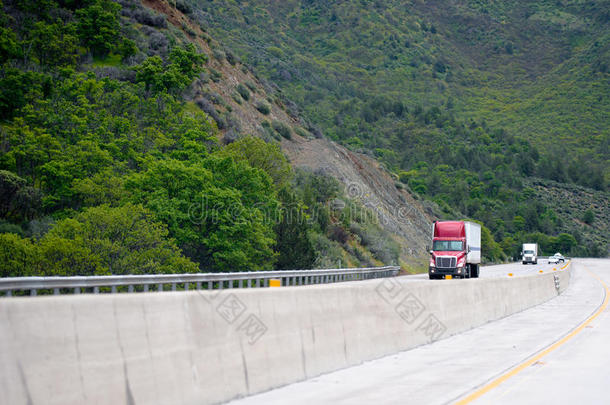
<point>462,100</point>
<point>538,70</point>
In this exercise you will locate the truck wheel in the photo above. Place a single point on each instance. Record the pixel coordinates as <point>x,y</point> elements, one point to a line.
<point>475,273</point>
<point>536,261</point>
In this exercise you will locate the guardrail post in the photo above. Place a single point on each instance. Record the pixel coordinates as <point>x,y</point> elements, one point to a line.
<point>77,290</point>
<point>33,292</point>
<point>113,289</point>
<point>173,286</point>
<point>159,287</point>
<point>56,291</point>
<point>130,288</point>
<point>145,287</point>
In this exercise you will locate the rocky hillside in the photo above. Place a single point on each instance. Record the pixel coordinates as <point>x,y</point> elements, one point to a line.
<point>364,180</point>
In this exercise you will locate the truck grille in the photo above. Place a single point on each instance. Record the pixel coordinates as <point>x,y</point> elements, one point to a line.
<point>446,262</point>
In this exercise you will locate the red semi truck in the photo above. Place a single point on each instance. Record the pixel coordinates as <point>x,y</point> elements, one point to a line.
<point>456,249</point>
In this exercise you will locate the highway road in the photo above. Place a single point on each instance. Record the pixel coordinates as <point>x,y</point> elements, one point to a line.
<point>502,270</point>
<point>557,352</point>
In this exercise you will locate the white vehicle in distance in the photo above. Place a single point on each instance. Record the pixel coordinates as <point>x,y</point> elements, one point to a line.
<point>560,257</point>
<point>553,259</point>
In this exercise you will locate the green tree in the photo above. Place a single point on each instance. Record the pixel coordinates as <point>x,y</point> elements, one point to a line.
<point>216,209</point>
<point>9,47</point>
<point>564,242</point>
<point>105,240</point>
<point>293,244</point>
<point>187,60</point>
<point>54,44</point>
<point>17,88</point>
<point>149,72</point>
<point>98,26</point>
<point>18,201</point>
<point>185,64</point>
<point>17,256</point>
<point>262,155</point>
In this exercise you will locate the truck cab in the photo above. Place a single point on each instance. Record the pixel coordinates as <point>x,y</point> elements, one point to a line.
<point>456,250</point>
<point>529,253</point>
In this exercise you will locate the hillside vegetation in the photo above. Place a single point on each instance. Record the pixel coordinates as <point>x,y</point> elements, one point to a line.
<point>111,162</point>
<point>125,130</point>
<point>462,99</point>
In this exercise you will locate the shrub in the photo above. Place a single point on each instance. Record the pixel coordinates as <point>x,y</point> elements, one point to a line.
<point>219,55</point>
<point>158,42</point>
<point>302,132</point>
<point>338,234</point>
<point>588,217</point>
<point>263,107</point>
<point>215,75</point>
<point>282,129</point>
<point>184,7</point>
<point>236,97</point>
<point>143,16</point>
<point>243,91</point>
<point>231,58</point>
<point>209,109</point>
<point>251,86</point>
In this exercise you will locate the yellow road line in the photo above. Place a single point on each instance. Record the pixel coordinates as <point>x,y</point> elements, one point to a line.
<point>493,384</point>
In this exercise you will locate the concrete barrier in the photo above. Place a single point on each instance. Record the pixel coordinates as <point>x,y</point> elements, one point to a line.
<point>209,347</point>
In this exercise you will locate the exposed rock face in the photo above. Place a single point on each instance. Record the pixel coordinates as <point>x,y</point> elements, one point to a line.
<point>397,211</point>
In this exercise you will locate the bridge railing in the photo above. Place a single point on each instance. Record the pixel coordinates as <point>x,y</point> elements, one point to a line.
<point>173,282</point>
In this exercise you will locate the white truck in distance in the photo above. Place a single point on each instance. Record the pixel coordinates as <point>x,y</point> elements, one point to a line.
<point>529,253</point>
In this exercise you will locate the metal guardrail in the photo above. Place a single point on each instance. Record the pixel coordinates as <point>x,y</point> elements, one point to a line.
<point>171,282</point>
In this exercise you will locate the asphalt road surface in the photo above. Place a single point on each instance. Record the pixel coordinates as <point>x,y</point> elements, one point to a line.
<point>557,352</point>
<point>502,270</point>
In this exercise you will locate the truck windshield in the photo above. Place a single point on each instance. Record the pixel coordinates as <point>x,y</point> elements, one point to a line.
<point>528,252</point>
<point>447,245</point>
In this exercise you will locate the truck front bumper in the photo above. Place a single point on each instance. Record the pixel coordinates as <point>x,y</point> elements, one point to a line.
<point>442,272</point>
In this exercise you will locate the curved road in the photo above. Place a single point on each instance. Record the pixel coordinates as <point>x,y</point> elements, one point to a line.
<point>557,352</point>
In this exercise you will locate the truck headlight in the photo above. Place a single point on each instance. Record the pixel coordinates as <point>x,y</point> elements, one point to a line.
<point>459,270</point>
